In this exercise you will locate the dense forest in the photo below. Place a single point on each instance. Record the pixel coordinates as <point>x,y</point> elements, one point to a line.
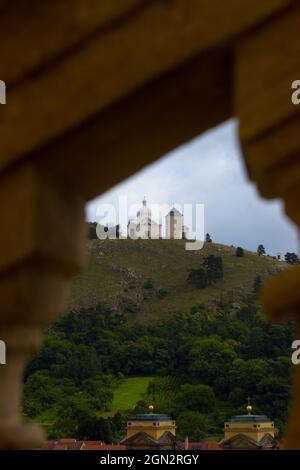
<point>204,364</point>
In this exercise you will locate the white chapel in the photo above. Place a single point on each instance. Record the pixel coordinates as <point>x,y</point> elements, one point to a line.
<point>142,226</point>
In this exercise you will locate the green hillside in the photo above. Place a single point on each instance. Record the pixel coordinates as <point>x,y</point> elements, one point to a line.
<point>148,278</point>
<point>96,361</point>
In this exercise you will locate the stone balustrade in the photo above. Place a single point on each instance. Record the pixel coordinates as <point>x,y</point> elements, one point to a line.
<point>97,90</point>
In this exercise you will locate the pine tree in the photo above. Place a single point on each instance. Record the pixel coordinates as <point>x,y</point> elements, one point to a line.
<point>261,250</point>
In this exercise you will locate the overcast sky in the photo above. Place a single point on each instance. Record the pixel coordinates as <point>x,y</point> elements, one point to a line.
<point>210,170</point>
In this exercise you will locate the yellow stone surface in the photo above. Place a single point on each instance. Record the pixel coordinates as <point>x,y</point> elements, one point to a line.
<point>255,431</point>
<point>154,429</point>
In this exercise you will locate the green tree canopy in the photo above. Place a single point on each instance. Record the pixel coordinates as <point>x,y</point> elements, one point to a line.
<point>198,397</point>
<point>261,250</point>
<point>193,425</point>
<point>239,252</point>
<point>291,258</point>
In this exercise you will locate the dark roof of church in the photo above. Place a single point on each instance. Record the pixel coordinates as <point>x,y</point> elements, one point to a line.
<point>249,419</point>
<point>175,211</point>
<point>151,417</point>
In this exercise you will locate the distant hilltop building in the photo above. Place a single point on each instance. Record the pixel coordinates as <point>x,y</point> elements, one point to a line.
<point>175,230</point>
<point>143,226</point>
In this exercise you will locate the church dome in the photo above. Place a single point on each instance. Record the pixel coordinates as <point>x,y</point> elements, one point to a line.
<point>144,211</point>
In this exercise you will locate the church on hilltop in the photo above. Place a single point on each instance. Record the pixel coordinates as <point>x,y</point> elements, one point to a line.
<point>143,226</point>
<point>175,229</point>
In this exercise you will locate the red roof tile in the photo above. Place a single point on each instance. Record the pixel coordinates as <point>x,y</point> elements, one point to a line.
<point>201,446</point>
<point>73,444</point>
<point>91,445</point>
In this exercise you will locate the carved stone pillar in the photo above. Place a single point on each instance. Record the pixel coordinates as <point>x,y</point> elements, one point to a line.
<point>42,239</point>
<point>267,62</point>
<point>89,108</point>
<point>281,298</point>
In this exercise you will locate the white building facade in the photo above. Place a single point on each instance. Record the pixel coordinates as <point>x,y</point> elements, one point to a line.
<point>175,229</point>
<point>142,226</point>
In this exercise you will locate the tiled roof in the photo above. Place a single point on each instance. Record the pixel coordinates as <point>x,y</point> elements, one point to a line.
<point>249,418</point>
<point>73,444</point>
<point>201,446</point>
<point>48,445</point>
<point>150,417</point>
<point>175,211</point>
<point>90,445</point>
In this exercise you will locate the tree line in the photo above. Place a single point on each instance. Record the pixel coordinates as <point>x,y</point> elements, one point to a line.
<point>206,361</point>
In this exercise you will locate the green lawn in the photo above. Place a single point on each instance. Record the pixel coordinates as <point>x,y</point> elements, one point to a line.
<point>129,392</point>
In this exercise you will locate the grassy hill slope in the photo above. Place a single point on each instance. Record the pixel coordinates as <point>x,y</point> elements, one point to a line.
<point>119,272</point>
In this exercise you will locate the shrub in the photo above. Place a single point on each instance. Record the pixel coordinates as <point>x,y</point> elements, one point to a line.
<point>148,284</point>
<point>162,292</point>
<point>239,252</point>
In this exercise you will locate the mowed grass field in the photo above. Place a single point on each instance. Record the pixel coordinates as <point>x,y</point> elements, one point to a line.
<point>126,396</point>
<point>130,392</point>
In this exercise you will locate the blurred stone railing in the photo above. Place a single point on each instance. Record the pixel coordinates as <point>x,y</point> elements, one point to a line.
<point>97,90</point>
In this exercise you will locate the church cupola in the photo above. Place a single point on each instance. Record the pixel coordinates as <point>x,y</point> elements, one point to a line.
<point>150,431</point>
